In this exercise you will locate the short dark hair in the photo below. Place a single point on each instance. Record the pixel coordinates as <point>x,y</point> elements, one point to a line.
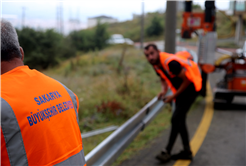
<point>151,45</point>
<point>10,47</point>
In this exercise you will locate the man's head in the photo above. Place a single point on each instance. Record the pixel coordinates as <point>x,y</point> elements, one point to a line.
<point>10,47</point>
<point>152,54</point>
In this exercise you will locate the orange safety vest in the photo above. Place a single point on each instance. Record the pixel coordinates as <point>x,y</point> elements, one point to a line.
<point>192,71</point>
<point>184,54</point>
<point>39,120</point>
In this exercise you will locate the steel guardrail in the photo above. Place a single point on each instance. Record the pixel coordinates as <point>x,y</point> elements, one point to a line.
<point>108,150</point>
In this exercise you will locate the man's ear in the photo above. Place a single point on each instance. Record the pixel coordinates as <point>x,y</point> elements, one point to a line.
<point>22,53</point>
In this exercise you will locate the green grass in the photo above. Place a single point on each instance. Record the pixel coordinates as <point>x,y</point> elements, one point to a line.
<point>94,79</point>
<point>160,123</point>
<point>90,143</point>
<point>131,28</point>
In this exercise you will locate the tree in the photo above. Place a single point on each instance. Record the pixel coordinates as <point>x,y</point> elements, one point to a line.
<point>101,36</point>
<point>44,49</point>
<point>82,40</point>
<point>90,39</point>
<point>155,28</point>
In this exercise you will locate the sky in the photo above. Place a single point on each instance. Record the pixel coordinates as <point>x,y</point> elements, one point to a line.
<point>43,14</point>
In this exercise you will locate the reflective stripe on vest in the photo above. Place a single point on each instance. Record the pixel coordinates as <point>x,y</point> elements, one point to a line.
<point>14,141</point>
<point>73,97</point>
<point>12,135</point>
<point>163,76</point>
<point>77,159</point>
<point>192,71</point>
<point>38,122</point>
<point>163,56</point>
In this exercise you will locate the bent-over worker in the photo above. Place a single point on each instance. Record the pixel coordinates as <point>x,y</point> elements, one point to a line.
<point>183,77</point>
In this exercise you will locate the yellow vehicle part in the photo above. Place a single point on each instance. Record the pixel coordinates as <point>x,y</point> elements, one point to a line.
<point>222,58</point>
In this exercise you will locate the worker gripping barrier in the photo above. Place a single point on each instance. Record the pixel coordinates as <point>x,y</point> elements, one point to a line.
<point>108,150</point>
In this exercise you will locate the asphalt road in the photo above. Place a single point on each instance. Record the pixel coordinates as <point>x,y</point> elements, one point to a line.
<point>224,144</point>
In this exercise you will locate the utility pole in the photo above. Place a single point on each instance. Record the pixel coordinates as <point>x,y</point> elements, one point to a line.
<point>239,24</point>
<point>170,27</point>
<point>234,7</point>
<point>23,16</point>
<point>59,18</point>
<point>239,29</point>
<point>142,26</point>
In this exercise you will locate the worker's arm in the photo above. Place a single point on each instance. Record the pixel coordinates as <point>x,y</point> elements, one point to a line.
<point>164,88</point>
<point>182,87</point>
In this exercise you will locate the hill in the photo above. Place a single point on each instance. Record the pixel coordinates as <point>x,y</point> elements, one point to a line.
<point>132,28</point>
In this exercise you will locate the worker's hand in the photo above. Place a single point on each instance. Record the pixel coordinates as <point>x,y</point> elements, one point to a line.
<point>161,95</point>
<point>168,99</point>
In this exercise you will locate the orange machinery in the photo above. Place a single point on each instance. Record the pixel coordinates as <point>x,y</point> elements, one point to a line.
<point>234,81</point>
<point>196,21</point>
<point>193,22</point>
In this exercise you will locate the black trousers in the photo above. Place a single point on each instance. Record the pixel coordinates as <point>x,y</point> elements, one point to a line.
<point>178,121</point>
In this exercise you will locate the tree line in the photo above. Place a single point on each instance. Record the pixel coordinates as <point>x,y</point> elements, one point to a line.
<point>47,48</point>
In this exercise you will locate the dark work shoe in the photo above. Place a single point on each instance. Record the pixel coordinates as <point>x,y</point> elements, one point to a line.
<point>163,156</point>
<point>185,155</point>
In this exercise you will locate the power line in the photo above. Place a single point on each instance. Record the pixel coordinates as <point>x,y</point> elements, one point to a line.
<point>23,16</point>
<point>59,19</point>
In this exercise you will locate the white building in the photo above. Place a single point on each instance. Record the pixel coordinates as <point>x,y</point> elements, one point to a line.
<point>91,22</point>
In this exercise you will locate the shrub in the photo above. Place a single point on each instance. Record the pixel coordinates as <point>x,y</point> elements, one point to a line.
<point>90,39</point>
<point>155,28</point>
<point>44,48</point>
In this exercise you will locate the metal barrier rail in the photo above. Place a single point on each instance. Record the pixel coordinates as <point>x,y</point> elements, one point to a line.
<point>99,131</point>
<point>108,150</point>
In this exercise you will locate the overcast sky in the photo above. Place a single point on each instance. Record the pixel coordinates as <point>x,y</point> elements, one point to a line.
<point>44,13</point>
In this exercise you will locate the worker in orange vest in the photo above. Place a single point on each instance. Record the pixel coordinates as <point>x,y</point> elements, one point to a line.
<point>183,77</point>
<point>39,115</point>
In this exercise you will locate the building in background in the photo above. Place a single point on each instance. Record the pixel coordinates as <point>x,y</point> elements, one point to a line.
<point>91,22</point>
